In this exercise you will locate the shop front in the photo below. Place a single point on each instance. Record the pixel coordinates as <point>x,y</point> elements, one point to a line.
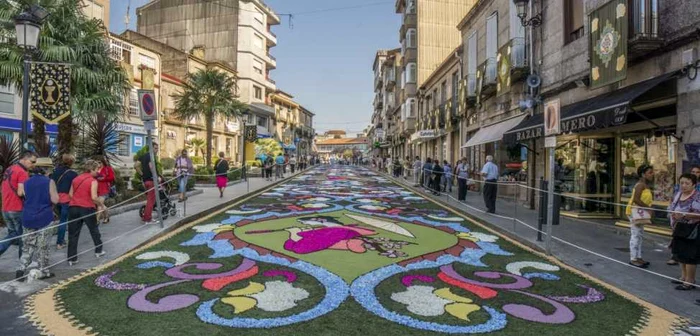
<point>604,140</point>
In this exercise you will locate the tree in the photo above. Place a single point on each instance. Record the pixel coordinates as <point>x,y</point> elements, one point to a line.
<point>211,94</point>
<point>98,84</point>
<point>197,145</point>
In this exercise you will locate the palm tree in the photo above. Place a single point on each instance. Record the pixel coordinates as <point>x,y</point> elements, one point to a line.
<point>210,93</point>
<point>98,83</point>
<point>197,145</point>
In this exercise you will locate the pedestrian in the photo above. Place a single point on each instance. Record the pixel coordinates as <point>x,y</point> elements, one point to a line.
<point>145,167</point>
<point>63,177</point>
<point>286,163</point>
<point>462,177</point>
<point>490,174</point>
<point>407,167</point>
<point>39,199</point>
<point>83,203</point>
<point>293,163</point>
<point>279,166</point>
<point>389,165</point>
<point>183,168</point>
<point>221,168</point>
<point>427,167</point>
<point>417,178</point>
<point>438,172</point>
<point>639,214</point>
<point>685,219</point>
<point>269,164</point>
<point>447,177</point>
<point>105,182</point>
<point>12,203</point>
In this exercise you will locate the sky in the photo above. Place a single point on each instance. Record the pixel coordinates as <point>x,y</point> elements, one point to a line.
<point>325,58</point>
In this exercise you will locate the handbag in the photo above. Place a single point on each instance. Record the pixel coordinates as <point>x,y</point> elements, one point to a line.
<point>685,230</point>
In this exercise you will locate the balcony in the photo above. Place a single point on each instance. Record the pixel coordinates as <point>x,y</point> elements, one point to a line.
<point>378,81</point>
<point>378,102</point>
<point>271,61</point>
<point>390,81</point>
<point>409,21</point>
<point>643,28</point>
<point>270,80</point>
<point>520,66</point>
<point>471,89</point>
<point>488,77</point>
<point>409,125</point>
<point>271,38</point>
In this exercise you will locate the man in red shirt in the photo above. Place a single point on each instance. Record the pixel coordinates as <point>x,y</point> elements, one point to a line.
<point>12,202</point>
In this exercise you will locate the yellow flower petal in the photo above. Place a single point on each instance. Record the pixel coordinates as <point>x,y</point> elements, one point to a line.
<point>240,304</point>
<point>224,228</point>
<point>621,10</point>
<point>467,236</point>
<point>595,73</point>
<point>447,294</point>
<point>461,310</point>
<point>594,25</point>
<point>252,288</point>
<point>620,63</point>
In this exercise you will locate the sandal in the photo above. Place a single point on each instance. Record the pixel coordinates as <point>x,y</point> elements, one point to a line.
<point>677,282</point>
<point>671,262</point>
<point>60,246</point>
<point>685,287</point>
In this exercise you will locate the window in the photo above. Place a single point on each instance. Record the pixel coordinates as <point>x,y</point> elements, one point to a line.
<point>134,103</point>
<point>411,73</point>
<point>229,145</point>
<point>645,18</point>
<point>573,20</point>
<point>258,41</point>
<point>455,85</point>
<point>259,17</point>
<point>93,10</point>
<point>410,107</point>
<point>7,99</point>
<point>257,66</point>
<point>516,28</point>
<point>120,51</point>
<point>262,121</point>
<point>124,142</point>
<point>257,92</point>
<point>492,36</point>
<point>410,6</point>
<point>148,61</point>
<point>471,54</point>
<point>411,35</point>
<point>443,92</point>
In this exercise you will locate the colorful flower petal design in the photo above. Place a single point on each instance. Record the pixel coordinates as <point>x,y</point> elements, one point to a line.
<point>421,300</point>
<point>516,267</point>
<point>243,212</point>
<point>180,257</point>
<point>447,219</point>
<point>240,304</point>
<point>279,296</point>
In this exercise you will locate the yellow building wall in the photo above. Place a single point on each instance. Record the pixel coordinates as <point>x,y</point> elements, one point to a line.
<point>438,35</point>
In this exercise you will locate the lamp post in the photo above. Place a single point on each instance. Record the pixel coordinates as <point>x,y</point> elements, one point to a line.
<point>244,123</point>
<point>28,28</point>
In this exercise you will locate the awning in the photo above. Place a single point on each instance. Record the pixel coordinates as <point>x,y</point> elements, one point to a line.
<point>263,133</point>
<point>493,132</point>
<point>607,110</point>
<point>10,124</point>
<point>262,109</point>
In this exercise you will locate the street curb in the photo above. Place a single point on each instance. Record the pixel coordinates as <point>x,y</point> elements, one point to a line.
<point>135,206</point>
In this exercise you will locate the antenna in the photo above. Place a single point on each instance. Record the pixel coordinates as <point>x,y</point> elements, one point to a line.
<point>126,17</point>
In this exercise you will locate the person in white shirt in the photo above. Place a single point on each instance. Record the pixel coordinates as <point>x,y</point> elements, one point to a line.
<point>293,163</point>
<point>490,174</point>
<point>462,177</point>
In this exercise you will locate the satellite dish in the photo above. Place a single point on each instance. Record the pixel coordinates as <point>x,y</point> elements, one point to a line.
<point>534,81</point>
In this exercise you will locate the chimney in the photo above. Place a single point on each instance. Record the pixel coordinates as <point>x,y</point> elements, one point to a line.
<point>198,51</point>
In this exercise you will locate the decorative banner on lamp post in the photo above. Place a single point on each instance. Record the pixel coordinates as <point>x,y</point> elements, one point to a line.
<point>609,28</point>
<point>251,133</point>
<point>50,91</point>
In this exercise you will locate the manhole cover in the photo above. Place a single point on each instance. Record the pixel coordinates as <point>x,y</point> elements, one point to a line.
<point>623,249</point>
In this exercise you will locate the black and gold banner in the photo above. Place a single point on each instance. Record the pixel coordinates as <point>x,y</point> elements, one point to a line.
<point>609,27</point>
<point>251,133</point>
<point>50,91</point>
<point>503,68</point>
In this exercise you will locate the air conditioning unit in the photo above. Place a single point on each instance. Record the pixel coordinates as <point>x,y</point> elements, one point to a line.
<point>690,56</point>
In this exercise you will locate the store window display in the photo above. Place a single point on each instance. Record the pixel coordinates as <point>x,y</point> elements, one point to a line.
<point>585,175</point>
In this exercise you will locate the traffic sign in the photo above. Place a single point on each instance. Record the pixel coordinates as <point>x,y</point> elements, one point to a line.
<point>147,105</point>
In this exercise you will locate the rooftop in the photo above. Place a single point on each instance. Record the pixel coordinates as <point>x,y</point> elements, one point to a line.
<point>344,141</point>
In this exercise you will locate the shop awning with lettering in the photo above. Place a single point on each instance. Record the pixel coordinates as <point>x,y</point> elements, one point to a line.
<point>493,132</point>
<point>607,110</point>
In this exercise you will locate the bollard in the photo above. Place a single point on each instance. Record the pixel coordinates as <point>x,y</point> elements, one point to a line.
<point>515,204</point>
<point>542,213</point>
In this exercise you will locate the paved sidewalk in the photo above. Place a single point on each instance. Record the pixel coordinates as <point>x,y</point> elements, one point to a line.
<point>127,226</point>
<point>606,240</point>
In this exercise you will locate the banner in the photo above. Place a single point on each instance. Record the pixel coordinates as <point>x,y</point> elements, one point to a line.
<point>251,133</point>
<point>50,91</point>
<point>503,67</point>
<point>148,79</point>
<point>609,28</point>
<point>479,82</point>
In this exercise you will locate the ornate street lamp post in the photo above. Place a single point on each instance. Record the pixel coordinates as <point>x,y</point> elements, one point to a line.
<point>28,28</point>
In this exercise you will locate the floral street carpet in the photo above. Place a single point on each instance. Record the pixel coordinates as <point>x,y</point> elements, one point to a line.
<point>341,250</point>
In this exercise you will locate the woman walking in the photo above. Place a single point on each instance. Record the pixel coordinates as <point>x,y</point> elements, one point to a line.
<point>183,168</point>
<point>84,201</point>
<point>437,173</point>
<point>63,177</point>
<point>39,197</point>
<point>639,215</point>
<point>105,180</point>
<point>221,170</point>
<point>462,177</point>
<point>447,184</point>
<point>685,219</point>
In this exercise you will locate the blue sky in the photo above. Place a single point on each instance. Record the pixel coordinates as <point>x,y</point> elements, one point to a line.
<point>325,59</point>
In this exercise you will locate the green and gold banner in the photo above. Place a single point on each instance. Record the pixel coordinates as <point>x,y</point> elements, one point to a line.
<point>462,96</point>
<point>609,25</point>
<point>251,133</point>
<point>503,67</point>
<point>50,91</point>
<point>480,70</point>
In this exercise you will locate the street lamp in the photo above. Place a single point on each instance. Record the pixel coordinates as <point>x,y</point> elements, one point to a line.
<point>242,130</point>
<point>521,6</point>
<point>28,28</point>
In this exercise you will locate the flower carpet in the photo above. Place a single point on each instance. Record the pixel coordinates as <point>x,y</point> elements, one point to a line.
<point>340,251</point>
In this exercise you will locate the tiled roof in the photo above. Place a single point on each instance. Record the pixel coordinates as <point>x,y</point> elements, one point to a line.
<point>344,141</point>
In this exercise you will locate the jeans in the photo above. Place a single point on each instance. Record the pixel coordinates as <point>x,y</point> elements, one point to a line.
<point>279,172</point>
<point>636,234</point>
<point>182,183</point>
<point>150,202</point>
<point>293,167</point>
<point>62,209</point>
<point>74,228</point>
<point>416,176</point>
<point>490,192</point>
<point>13,221</point>
<point>462,189</point>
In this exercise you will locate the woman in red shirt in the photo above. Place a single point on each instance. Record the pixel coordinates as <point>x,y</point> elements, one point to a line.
<point>105,180</point>
<point>83,203</point>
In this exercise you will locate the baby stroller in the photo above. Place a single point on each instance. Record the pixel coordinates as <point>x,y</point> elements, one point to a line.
<point>168,206</point>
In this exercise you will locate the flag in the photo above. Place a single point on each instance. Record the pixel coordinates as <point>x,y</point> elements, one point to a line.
<point>50,91</point>
<point>503,68</point>
<point>251,133</point>
<point>608,43</point>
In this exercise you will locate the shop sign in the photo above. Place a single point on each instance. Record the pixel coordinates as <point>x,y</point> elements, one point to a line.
<point>424,134</point>
<point>528,134</point>
<point>131,128</point>
<point>579,123</point>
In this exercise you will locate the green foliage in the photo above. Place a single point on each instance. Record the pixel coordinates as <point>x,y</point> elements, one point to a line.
<point>98,83</point>
<point>209,94</point>
<point>100,138</point>
<point>204,174</point>
<point>267,146</point>
<point>167,163</point>
<point>197,160</point>
<point>197,146</point>
<point>234,175</point>
<point>9,153</point>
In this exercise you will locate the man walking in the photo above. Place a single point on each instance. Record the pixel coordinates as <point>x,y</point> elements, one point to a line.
<point>293,163</point>
<point>279,166</point>
<point>490,175</point>
<point>462,176</point>
<point>12,202</point>
<point>148,179</point>
<point>427,174</point>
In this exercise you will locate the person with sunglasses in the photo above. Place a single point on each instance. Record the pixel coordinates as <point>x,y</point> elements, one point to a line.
<point>12,199</point>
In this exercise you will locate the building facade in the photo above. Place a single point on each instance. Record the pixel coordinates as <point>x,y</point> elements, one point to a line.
<point>97,9</point>
<point>336,148</point>
<point>305,132</point>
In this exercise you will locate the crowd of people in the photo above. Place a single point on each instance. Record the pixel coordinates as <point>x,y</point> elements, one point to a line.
<point>282,162</point>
